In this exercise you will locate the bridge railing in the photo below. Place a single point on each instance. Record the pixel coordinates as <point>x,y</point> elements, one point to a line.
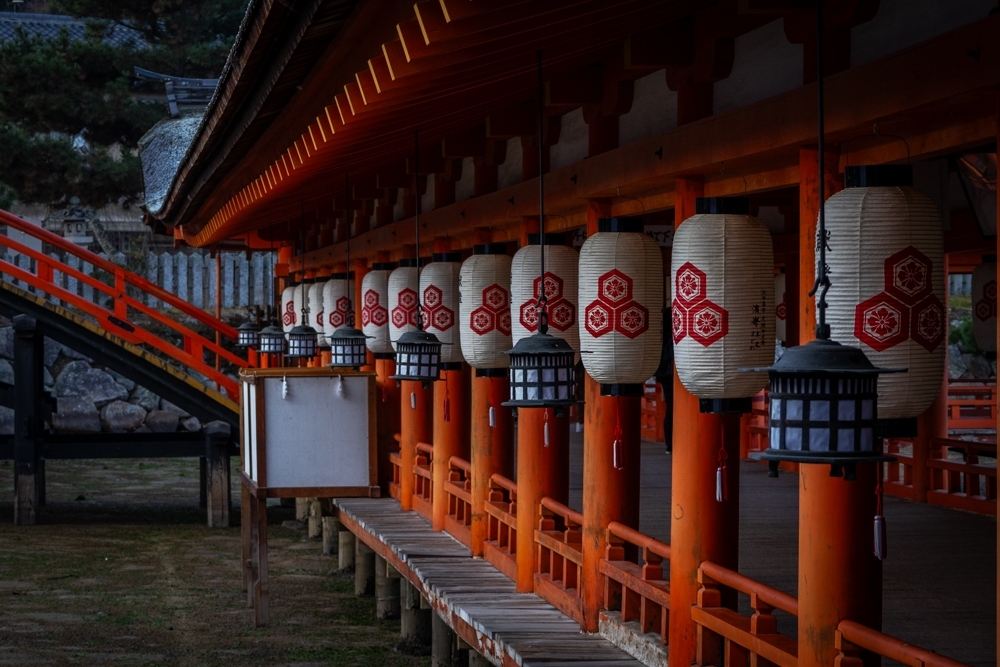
<point>559,557</point>
<point>458,489</point>
<point>119,317</point>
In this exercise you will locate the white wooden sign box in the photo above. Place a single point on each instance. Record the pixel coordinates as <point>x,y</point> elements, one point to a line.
<point>308,432</point>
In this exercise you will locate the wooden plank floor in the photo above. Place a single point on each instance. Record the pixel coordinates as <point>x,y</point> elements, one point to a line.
<point>521,629</point>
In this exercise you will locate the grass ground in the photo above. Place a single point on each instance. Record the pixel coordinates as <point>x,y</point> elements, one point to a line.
<point>122,571</point>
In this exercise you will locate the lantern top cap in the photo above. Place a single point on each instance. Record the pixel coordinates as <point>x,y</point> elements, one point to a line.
<point>418,338</point>
<point>302,330</point>
<point>248,326</point>
<point>550,239</point>
<point>722,205</point>
<point>383,266</point>
<point>630,224</point>
<point>342,275</point>
<point>879,175</point>
<point>409,262</point>
<point>272,329</point>
<point>489,249</point>
<point>541,343</point>
<point>446,257</point>
<point>819,357</point>
<point>348,332</point>
<point>308,281</point>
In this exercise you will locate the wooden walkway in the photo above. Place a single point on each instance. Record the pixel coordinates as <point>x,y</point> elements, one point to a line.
<point>478,602</point>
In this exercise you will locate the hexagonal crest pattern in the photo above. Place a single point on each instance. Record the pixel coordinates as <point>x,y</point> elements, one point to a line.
<point>678,321</point>
<point>632,319</point>
<point>690,284</point>
<point>562,314</point>
<point>432,297</point>
<point>614,287</point>
<point>908,275</point>
<point>598,319</point>
<point>881,322</point>
<point>927,322</point>
<point>481,321</point>
<point>707,322</point>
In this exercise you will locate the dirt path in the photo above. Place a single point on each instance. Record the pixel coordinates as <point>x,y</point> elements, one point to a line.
<point>129,575</point>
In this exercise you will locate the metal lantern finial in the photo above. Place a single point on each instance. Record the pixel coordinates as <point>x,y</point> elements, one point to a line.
<point>418,353</point>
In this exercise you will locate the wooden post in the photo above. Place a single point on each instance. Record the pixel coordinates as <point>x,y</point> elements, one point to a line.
<point>260,589</point>
<point>414,621</point>
<point>492,448</point>
<point>345,549</point>
<point>542,471</point>
<point>217,441</point>
<point>245,537</point>
<point>450,429</point>
<point>839,576</point>
<point>415,425</point>
<point>27,419</point>
<point>331,528</point>
<point>609,493</point>
<point>386,592</point>
<point>388,408</point>
<point>444,643</point>
<point>364,569</point>
<point>701,528</point>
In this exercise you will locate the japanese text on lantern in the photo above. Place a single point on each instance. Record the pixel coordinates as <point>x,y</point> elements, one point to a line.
<point>757,311</point>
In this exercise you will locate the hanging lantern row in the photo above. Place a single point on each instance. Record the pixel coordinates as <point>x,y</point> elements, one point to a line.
<point>440,300</point>
<point>484,308</point>
<point>621,293</point>
<point>722,269</point>
<point>337,311</point>
<point>984,304</point>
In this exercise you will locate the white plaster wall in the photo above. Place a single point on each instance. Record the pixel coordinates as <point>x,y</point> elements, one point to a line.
<point>902,23</point>
<point>574,141</point>
<point>765,64</point>
<point>509,173</point>
<point>654,109</point>
<point>466,186</point>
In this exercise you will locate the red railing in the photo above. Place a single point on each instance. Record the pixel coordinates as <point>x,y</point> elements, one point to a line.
<point>559,558</point>
<point>726,637</point>
<point>119,319</point>
<point>972,406</point>
<point>396,461</point>
<point>964,484</point>
<point>423,480</point>
<point>853,638</point>
<point>458,488</point>
<point>652,411</point>
<point>638,592</point>
<point>500,547</point>
<point>757,429</point>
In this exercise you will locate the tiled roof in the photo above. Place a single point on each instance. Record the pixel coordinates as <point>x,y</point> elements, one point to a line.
<point>51,25</point>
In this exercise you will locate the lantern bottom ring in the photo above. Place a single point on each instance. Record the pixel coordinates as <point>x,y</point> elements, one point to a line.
<point>842,464</point>
<point>725,405</point>
<point>619,389</point>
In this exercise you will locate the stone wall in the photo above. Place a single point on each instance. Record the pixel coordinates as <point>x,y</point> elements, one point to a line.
<point>91,398</point>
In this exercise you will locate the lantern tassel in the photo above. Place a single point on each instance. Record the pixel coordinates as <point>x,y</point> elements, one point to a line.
<point>617,446</point>
<point>413,400</point>
<point>545,429</point>
<point>493,417</point>
<point>881,541</point>
<point>340,385</point>
<point>722,478</point>
<point>284,387</point>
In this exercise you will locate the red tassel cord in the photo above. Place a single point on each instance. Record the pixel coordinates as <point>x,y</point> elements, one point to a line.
<point>722,477</point>
<point>881,543</point>
<point>617,446</point>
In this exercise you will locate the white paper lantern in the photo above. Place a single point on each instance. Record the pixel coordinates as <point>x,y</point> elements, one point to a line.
<point>781,309</point>
<point>439,297</point>
<point>375,308</point>
<point>316,311</point>
<point>291,309</point>
<point>722,269</point>
<point>484,312</point>
<point>621,294</point>
<point>561,277</point>
<point>885,252</point>
<point>403,288</point>
<point>984,306</point>
<point>337,306</point>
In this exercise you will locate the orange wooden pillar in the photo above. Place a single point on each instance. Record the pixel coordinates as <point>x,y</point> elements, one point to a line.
<point>415,425</point>
<point>700,527</point>
<point>387,425</point>
<point>542,471</point>
<point>450,429</point>
<point>609,493</point>
<point>839,576</point>
<point>492,445</point>
<point>808,215</point>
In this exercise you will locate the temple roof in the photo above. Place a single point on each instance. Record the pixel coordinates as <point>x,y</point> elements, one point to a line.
<point>50,26</point>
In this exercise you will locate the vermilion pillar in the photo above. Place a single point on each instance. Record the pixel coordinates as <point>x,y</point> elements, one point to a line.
<point>450,429</point>
<point>542,472</point>
<point>808,215</point>
<point>609,493</point>
<point>492,445</point>
<point>387,408</point>
<point>415,425</point>
<point>839,576</point>
<point>700,527</point>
